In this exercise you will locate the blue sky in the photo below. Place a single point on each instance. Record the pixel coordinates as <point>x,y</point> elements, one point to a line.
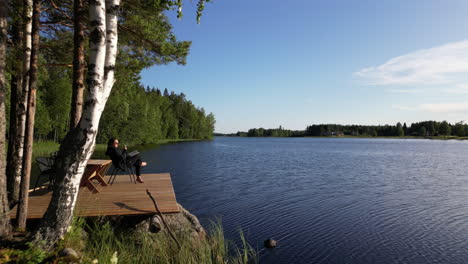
<point>266,63</point>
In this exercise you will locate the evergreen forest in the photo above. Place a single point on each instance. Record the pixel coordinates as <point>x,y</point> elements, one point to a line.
<point>418,129</point>
<point>134,113</point>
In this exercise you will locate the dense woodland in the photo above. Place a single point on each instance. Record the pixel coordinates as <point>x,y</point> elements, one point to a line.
<point>419,129</point>
<point>134,113</point>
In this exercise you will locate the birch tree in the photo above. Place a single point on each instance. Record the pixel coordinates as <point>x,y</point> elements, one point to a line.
<point>79,143</point>
<point>15,157</point>
<point>31,110</point>
<point>4,207</point>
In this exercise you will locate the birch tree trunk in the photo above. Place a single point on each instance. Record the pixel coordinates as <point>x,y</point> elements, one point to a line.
<point>78,63</point>
<point>4,207</point>
<point>29,135</point>
<point>16,158</point>
<point>13,178</point>
<point>79,143</point>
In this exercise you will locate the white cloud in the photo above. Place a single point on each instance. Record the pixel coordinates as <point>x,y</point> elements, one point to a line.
<point>439,65</point>
<point>444,107</point>
<point>436,108</point>
<point>402,107</point>
<point>459,89</point>
<point>405,91</point>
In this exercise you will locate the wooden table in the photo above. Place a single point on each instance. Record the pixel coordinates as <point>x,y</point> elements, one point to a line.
<point>95,170</point>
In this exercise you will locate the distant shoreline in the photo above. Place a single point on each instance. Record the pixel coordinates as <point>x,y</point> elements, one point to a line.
<point>368,137</point>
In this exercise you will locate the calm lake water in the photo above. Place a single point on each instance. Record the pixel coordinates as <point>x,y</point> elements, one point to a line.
<point>328,200</point>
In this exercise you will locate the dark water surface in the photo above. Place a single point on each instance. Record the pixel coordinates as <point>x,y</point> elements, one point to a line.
<point>329,200</point>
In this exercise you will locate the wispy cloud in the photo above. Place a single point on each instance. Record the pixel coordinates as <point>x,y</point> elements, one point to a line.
<point>445,107</point>
<point>402,107</point>
<point>436,108</point>
<point>439,65</point>
<point>459,89</point>
<point>405,91</point>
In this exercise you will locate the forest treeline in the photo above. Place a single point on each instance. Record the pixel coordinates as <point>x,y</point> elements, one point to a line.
<point>419,129</point>
<point>133,113</point>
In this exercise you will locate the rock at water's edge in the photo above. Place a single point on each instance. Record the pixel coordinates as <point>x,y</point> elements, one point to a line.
<point>270,243</point>
<point>69,255</point>
<point>183,221</point>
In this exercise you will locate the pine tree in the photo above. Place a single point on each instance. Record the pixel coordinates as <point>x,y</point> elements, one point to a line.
<point>4,206</point>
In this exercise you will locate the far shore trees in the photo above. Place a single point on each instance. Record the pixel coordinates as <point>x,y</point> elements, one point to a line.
<point>444,129</point>
<point>423,129</point>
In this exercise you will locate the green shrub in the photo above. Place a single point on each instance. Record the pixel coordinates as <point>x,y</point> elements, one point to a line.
<point>30,255</point>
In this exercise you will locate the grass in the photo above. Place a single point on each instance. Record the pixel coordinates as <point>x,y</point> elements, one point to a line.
<point>105,244</point>
<point>98,241</point>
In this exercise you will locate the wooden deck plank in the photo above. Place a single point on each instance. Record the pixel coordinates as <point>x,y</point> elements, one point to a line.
<point>121,198</point>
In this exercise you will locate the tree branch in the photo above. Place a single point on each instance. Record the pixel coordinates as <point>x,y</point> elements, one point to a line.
<point>60,10</point>
<point>156,46</point>
<point>162,218</point>
<point>56,65</point>
<point>56,22</point>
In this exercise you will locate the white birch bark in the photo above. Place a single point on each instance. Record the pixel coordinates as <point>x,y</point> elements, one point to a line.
<point>79,143</point>
<point>111,47</point>
<point>30,117</point>
<point>18,139</point>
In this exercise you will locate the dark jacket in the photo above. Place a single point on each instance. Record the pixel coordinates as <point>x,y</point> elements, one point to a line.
<point>116,155</point>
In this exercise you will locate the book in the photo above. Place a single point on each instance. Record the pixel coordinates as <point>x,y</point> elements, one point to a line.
<point>133,153</point>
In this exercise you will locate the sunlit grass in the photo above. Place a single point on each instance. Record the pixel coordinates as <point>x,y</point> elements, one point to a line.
<point>104,243</point>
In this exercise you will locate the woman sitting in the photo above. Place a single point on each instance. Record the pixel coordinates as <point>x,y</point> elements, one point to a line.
<point>119,156</point>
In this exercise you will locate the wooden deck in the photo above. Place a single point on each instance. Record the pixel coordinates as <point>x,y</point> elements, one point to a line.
<point>121,198</point>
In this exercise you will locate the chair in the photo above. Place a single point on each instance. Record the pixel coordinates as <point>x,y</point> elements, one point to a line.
<point>121,166</point>
<point>47,168</point>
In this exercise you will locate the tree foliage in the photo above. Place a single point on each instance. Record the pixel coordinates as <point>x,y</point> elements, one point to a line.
<point>134,113</point>
<point>146,116</point>
<point>425,128</point>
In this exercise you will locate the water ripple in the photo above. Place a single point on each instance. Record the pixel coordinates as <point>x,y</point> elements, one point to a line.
<point>329,200</point>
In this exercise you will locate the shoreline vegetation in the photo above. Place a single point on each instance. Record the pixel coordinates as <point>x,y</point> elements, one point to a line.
<point>420,130</point>
<point>44,148</point>
<point>108,240</point>
<point>363,137</point>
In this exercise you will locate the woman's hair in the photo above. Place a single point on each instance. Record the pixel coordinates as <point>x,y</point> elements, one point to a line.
<point>110,144</point>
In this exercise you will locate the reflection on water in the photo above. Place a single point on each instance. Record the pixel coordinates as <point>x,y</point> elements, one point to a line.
<point>329,200</point>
